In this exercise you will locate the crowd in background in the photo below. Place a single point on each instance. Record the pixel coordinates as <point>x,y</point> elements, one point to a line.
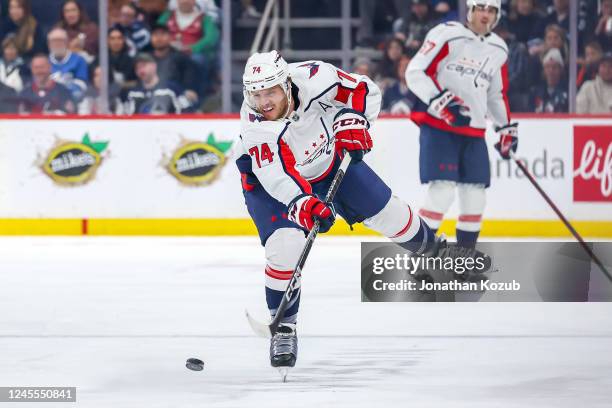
<point>163,54</point>
<point>537,35</point>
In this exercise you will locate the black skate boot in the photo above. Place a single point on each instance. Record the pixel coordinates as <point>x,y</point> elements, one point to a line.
<point>442,249</point>
<point>284,348</point>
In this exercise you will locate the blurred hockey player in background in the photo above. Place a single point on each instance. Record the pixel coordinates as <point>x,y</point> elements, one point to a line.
<point>460,76</point>
<point>296,122</point>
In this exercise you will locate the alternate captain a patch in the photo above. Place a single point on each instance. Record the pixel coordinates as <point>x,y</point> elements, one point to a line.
<point>314,68</point>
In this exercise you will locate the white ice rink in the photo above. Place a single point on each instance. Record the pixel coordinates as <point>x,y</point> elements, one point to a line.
<point>117,317</point>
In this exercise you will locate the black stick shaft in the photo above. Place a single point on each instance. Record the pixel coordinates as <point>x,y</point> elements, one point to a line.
<point>297,272</point>
<point>565,221</point>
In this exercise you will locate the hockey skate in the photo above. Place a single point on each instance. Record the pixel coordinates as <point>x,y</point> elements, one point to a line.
<point>284,348</point>
<point>442,249</point>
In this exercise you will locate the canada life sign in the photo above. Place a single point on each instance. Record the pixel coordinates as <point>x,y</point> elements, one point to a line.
<point>592,163</point>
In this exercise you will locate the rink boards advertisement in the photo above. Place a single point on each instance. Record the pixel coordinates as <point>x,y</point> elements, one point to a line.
<point>169,175</point>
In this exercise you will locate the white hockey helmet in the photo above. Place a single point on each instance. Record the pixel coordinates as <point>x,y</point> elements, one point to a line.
<point>265,70</point>
<point>491,3</point>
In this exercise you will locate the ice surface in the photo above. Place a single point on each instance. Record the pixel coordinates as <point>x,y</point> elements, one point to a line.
<point>117,317</point>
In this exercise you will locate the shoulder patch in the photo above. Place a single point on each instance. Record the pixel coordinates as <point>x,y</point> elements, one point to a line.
<point>313,66</point>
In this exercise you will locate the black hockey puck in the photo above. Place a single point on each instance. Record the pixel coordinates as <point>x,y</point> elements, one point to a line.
<point>194,364</point>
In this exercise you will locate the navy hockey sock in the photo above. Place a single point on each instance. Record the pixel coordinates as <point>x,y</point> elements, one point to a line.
<point>467,238</point>
<point>421,240</point>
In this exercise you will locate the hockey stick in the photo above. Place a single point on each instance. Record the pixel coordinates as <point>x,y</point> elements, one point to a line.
<point>561,216</point>
<point>268,329</point>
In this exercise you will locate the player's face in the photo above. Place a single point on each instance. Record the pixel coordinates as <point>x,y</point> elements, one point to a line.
<point>271,102</point>
<point>483,18</point>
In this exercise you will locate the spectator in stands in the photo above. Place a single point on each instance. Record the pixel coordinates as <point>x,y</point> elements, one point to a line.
<point>603,30</point>
<point>152,96</point>
<point>386,71</point>
<point>521,71</point>
<point>68,68</point>
<point>28,34</point>
<point>192,31</point>
<point>120,59</point>
<point>396,99</point>
<point>554,38</point>
<point>8,99</point>
<point>422,19</point>
<point>524,20</point>
<point>114,11</point>
<point>590,63</point>
<point>13,71</point>
<point>559,16</point>
<point>92,104</point>
<point>595,96</point>
<point>174,66</point>
<point>551,96</point>
<point>210,8</point>
<point>446,9</point>
<point>82,32</point>
<point>134,30</point>
<point>151,10</point>
<point>379,14</point>
<point>43,94</point>
<point>362,66</point>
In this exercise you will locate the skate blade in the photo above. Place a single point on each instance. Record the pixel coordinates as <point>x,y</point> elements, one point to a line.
<point>283,371</point>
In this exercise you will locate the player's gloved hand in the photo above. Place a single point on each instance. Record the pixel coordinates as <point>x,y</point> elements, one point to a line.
<point>351,131</point>
<point>450,108</point>
<point>508,140</point>
<point>304,209</point>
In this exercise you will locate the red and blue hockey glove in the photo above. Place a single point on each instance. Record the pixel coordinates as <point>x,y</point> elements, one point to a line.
<point>508,140</point>
<point>450,108</point>
<point>351,132</point>
<point>303,210</point>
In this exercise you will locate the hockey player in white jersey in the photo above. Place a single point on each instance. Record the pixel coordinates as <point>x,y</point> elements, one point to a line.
<point>296,122</point>
<point>460,78</point>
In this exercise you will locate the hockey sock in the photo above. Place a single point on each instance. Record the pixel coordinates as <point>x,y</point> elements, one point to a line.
<point>467,238</point>
<point>276,283</point>
<point>421,240</point>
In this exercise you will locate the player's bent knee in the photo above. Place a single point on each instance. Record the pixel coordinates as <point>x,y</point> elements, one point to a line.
<point>283,248</point>
<point>396,221</point>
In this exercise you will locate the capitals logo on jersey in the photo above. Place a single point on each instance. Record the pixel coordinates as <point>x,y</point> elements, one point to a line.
<point>314,68</point>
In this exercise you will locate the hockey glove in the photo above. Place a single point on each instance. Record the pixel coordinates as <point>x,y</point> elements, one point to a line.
<point>508,140</point>
<point>351,133</point>
<point>450,108</point>
<point>303,210</point>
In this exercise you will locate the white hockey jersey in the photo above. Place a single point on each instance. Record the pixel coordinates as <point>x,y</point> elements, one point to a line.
<point>471,66</point>
<point>287,155</point>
